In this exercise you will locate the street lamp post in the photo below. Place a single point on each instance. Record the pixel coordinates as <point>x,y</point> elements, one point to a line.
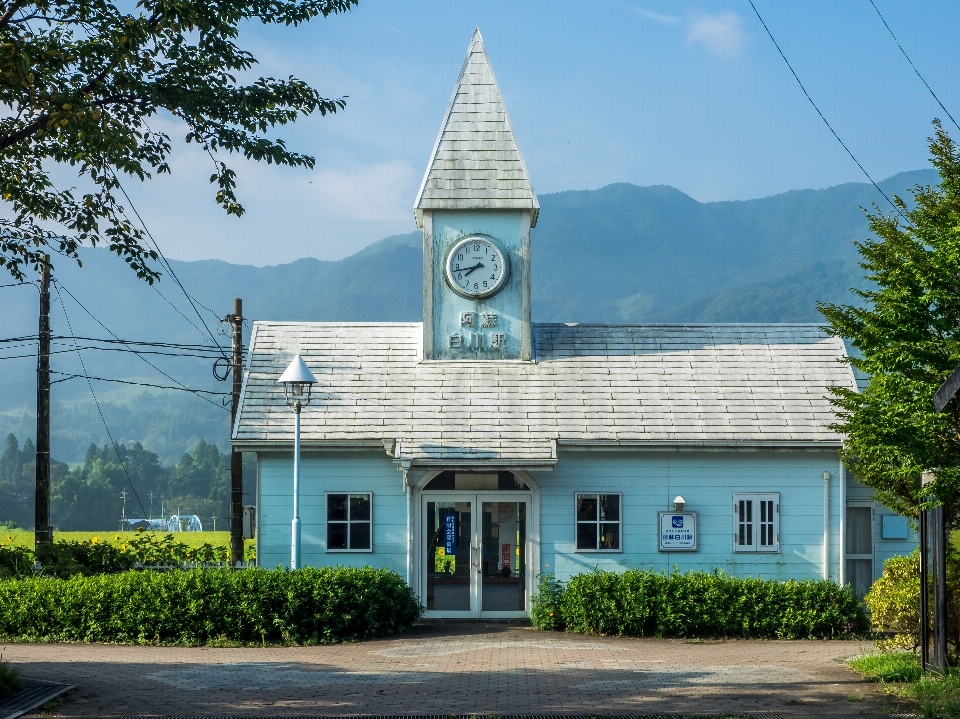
<point>297,381</point>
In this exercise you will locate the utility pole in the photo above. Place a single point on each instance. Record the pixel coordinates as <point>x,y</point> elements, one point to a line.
<point>43,532</point>
<point>123,511</point>
<point>236,457</point>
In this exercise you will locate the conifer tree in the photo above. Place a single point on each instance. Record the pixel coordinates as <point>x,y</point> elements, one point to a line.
<point>906,335</point>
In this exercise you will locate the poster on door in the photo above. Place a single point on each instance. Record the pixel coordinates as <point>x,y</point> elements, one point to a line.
<point>450,533</point>
<point>506,558</point>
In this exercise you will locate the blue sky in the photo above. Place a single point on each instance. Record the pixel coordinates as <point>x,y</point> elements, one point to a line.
<point>692,95</point>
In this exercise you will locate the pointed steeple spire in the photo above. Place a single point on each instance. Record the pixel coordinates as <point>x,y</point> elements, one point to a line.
<point>476,163</point>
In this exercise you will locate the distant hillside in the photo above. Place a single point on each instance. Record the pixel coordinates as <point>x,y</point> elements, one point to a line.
<point>618,254</point>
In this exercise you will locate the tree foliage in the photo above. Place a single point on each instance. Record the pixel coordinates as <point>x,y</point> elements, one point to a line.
<point>80,81</point>
<point>907,339</point>
<point>87,497</point>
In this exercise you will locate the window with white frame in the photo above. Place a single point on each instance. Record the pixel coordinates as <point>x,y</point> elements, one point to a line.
<point>598,522</point>
<point>349,522</point>
<point>756,522</point>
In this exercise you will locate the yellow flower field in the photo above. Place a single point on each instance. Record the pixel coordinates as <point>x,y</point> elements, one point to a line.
<point>193,539</point>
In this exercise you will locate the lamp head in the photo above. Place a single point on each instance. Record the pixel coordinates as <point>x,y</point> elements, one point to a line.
<point>678,503</point>
<point>297,380</point>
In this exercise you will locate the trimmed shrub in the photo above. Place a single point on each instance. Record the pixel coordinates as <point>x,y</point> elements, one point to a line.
<point>545,605</point>
<point>97,556</point>
<point>640,603</point>
<point>252,606</point>
<point>15,561</point>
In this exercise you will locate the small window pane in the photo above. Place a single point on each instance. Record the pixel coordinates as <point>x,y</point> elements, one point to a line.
<point>359,535</point>
<point>337,507</point>
<point>337,535</point>
<point>859,530</point>
<point>360,506</point>
<point>610,507</point>
<point>586,507</point>
<point>586,535</point>
<point>609,536</point>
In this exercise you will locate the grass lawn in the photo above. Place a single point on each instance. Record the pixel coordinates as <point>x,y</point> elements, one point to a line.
<point>937,697</point>
<point>193,539</point>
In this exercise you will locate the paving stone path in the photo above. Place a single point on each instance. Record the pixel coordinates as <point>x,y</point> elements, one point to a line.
<point>459,669</point>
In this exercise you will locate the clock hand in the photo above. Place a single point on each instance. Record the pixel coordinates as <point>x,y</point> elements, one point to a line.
<point>471,269</point>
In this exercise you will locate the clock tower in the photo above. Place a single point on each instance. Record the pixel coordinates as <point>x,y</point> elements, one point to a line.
<point>476,207</point>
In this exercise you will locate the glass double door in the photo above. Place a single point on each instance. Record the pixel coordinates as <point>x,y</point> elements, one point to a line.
<point>476,554</point>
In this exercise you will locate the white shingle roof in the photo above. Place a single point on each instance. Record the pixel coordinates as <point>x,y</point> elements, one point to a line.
<point>591,385</point>
<point>476,162</point>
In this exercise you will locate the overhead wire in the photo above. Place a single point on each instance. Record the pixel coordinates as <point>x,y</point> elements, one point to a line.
<point>103,419</point>
<point>115,349</point>
<point>144,359</point>
<point>166,263</point>
<point>68,376</point>
<point>822,117</point>
<point>890,30</point>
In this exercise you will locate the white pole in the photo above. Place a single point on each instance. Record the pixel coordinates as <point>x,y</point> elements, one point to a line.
<point>826,525</point>
<point>843,524</point>
<point>295,538</point>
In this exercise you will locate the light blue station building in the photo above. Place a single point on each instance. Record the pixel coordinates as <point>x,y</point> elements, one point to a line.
<point>476,450</point>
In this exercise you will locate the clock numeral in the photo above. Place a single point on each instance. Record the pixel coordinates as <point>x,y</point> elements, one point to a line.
<point>485,282</point>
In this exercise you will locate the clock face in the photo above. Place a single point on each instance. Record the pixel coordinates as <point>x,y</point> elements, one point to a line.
<point>477,267</point>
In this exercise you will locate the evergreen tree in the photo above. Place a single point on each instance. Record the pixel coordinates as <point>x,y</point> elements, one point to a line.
<point>907,337</point>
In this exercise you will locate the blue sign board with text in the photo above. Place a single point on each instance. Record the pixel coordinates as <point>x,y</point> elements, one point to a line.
<point>678,531</point>
<point>450,533</point>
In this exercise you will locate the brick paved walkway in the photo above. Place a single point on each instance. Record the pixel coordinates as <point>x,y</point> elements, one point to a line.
<point>460,668</point>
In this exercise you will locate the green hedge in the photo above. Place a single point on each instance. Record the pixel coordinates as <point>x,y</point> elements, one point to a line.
<point>197,607</point>
<point>638,603</point>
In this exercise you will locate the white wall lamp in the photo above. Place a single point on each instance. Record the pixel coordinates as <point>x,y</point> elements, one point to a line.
<point>678,503</point>
<point>297,380</point>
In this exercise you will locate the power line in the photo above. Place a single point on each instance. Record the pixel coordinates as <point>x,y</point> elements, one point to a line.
<point>912,65</point>
<point>116,449</point>
<point>33,284</point>
<point>116,349</point>
<point>825,122</point>
<point>169,345</point>
<point>177,310</point>
<point>68,376</point>
<point>165,262</point>
<point>116,340</point>
<point>172,379</point>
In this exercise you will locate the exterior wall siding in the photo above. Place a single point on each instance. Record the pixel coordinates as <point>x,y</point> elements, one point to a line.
<point>707,480</point>
<point>648,482</point>
<point>319,474</point>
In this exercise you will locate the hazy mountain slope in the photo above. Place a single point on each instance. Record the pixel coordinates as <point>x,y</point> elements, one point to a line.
<point>618,254</point>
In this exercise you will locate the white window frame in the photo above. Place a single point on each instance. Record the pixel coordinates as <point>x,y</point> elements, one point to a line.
<point>597,522</point>
<point>327,521</point>
<point>757,529</point>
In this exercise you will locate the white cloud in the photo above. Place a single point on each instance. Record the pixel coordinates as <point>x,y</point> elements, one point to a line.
<point>665,19</point>
<point>377,192</point>
<point>720,34</point>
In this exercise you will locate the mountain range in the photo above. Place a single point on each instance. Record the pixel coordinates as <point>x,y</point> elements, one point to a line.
<point>621,253</point>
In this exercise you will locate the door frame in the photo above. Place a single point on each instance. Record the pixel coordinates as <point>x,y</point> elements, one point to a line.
<point>861,504</point>
<point>418,551</point>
